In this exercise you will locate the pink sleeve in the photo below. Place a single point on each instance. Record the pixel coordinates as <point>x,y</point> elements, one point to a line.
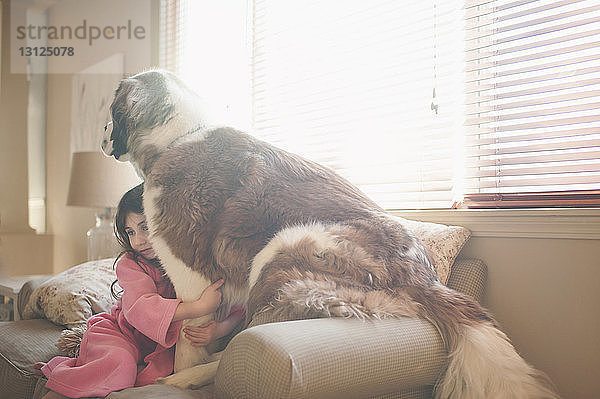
<point>143,307</point>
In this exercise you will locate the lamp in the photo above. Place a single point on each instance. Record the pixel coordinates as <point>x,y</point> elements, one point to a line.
<point>98,181</point>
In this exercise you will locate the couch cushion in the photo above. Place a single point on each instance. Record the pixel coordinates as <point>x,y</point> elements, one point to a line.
<point>443,243</point>
<point>24,343</point>
<point>71,297</point>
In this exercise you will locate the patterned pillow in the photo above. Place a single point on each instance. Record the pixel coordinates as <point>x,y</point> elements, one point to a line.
<point>443,243</point>
<point>71,297</point>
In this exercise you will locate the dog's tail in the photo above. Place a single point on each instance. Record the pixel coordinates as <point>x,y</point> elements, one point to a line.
<point>482,361</point>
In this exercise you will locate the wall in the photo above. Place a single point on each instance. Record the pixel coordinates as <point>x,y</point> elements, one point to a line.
<point>545,293</point>
<point>542,285</point>
<point>22,251</point>
<point>69,224</point>
<point>13,140</point>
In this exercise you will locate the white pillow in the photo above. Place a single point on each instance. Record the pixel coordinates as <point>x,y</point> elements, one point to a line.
<point>71,297</point>
<point>442,242</point>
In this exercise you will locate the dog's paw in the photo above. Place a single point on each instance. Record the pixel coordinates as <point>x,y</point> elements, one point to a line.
<point>176,380</point>
<point>194,377</point>
<point>160,380</point>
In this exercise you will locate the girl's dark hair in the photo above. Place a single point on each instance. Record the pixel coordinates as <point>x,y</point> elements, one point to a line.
<point>130,202</point>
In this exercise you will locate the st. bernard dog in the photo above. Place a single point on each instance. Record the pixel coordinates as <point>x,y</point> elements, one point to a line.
<point>290,237</point>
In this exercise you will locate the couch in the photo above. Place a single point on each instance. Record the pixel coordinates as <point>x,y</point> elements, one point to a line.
<point>320,358</point>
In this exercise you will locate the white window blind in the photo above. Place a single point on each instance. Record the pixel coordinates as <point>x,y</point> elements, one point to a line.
<point>532,102</point>
<point>351,85</point>
<point>207,43</point>
<point>171,31</point>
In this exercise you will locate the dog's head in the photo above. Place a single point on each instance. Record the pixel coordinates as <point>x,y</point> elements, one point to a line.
<point>151,108</point>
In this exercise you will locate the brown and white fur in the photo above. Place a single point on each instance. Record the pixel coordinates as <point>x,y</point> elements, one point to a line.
<point>290,237</point>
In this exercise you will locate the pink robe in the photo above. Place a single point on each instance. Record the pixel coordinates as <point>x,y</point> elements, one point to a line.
<point>139,332</point>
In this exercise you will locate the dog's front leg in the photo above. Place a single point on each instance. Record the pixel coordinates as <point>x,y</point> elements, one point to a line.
<point>189,286</point>
<point>186,355</point>
<point>188,282</point>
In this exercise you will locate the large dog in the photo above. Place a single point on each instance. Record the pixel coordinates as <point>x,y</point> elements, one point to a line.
<point>290,237</point>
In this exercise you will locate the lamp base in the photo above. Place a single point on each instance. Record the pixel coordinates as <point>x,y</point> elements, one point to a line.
<point>101,238</point>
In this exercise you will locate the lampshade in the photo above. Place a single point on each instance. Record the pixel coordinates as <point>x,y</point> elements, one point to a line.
<point>98,181</point>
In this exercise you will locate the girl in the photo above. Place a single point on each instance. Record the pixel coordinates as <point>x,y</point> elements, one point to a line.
<point>134,344</point>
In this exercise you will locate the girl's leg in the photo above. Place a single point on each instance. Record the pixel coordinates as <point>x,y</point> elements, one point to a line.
<point>107,362</point>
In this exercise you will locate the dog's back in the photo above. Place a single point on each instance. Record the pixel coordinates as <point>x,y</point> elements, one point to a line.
<point>236,193</point>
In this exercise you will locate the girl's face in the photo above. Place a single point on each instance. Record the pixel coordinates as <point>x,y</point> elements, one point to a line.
<point>137,231</point>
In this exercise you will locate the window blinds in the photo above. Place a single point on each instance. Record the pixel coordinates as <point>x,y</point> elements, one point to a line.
<point>532,102</point>
<point>371,89</point>
<point>207,44</point>
<point>171,31</point>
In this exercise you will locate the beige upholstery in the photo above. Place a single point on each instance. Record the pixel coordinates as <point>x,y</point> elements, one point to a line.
<point>469,276</point>
<point>330,358</point>
<point>24,343</point>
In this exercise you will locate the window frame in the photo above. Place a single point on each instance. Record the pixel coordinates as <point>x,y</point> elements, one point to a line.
<point>533,223</point>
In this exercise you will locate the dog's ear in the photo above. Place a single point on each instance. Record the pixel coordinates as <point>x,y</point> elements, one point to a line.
<point>121,105</point>
<point>128,101</point>
<point>133,92</point>
<point>146,99</point>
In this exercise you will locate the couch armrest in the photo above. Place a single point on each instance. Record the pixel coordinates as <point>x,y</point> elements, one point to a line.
<point>330,358</point>
<point>469,276</point>
<point>26,291</point>
<point>23,343</point>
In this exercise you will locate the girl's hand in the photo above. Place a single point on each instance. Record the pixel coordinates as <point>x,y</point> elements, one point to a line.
<point>208,302</point>
<point>210,299</point>
<point>203,335</point>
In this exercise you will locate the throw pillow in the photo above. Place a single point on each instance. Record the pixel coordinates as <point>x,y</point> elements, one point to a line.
<point>442,242</point>
<point>71,297</point>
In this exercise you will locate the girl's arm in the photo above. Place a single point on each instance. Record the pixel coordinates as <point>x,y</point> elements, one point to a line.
<point>211,331</point>
<point>150,313</point>
<point>207,303</point>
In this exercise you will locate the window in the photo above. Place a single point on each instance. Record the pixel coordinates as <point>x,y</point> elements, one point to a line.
<point>392,96</point>
<point>367,89</point>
